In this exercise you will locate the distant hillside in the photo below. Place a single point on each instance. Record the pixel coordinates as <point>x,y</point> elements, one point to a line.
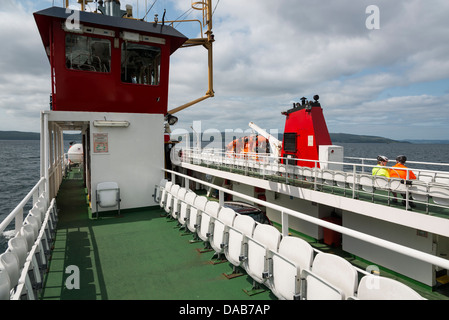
<point>354,138</point>
<point>335,137</point>
<point>429,141</point>
<point>18,135</point>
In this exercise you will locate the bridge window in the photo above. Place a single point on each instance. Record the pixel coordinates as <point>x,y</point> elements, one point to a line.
<point>87,53</point>
<point>141,64</point>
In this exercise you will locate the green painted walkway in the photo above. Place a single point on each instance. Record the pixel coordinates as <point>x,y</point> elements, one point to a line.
<point>143,255</point>
<point>140,255</point>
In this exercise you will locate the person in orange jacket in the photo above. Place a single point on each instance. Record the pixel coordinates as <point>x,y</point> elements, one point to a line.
<point>399,170</point>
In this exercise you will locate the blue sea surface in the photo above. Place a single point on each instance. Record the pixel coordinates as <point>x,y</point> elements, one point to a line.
<point>19,172</point>
<point>434,153</point>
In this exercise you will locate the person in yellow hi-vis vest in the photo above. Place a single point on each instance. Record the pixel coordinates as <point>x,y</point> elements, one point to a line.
<point>380,169</point>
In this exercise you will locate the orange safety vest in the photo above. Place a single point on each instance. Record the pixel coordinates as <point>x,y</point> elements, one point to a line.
<point>401,173</point>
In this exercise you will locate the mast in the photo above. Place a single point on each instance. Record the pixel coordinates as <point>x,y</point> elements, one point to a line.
<point>206,8</point>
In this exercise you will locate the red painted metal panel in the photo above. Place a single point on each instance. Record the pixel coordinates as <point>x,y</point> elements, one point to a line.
<point>79,90</point>
<point>311,131</point>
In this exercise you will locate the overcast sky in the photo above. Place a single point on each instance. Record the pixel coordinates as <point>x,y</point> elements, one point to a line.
<point>390,81</point>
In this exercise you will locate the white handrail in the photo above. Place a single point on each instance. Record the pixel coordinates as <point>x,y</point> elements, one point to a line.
<point>17,212</point>
<point>409,161</point>
<point>443,263</point>
<point>263,164</point>
<point>22,283</point>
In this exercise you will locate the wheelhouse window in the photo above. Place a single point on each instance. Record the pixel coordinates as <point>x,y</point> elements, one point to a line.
<point>87,53</point>
<point>141,64</point>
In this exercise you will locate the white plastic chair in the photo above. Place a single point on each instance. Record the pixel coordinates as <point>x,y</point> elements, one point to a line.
<point>238,234</point>
<point>380,288</point>
<point>18,245</point>
<point>42,204</point>
<point>366,182</point>
<point>107,195</point>
<point>439,193</point>
<point>352,181</point>
<point>10,263</point>
<point>328,177</point>
<point>331,278</point>
<point>419,191</point>
<point>340,179</point>
<point>294,255</point>
<point>27,231</point>
<point>426,176</point>
<point>298,172</point>
<point>164,193</point>
<point>189,200</point>
<point>195,213</point>
<point>207,220</point>
<point>318,174</point>
<point>381,182</point>
<point>158,190</point>
<point>308,174</point>
<point>265,237</point>
<point>177,202</point>
<point>442,178</point>
<point>225,219</point>
<point>36,213</point>
<point>170,197</point>
<point>5,285</point>
<point>34,223</point>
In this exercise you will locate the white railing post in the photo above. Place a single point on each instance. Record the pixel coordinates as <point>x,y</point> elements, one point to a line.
<point>18,221</point>
<point>284,221</point>
<point>221,196</point>
<point>354,172</point>
<point>45,159</point>
<point>407,177</point>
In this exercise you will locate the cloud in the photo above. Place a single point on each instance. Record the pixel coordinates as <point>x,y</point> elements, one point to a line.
<point>25,75</point>
<point>268,55</point>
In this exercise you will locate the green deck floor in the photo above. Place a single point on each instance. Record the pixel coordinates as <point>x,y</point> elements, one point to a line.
<point>137,256</point>
<point>142,255</point>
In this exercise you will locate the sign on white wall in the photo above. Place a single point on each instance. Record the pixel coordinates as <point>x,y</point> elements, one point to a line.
<point>101,143</point>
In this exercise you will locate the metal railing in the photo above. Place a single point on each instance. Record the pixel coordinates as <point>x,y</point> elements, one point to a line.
<point>286,213</point>
<point>430,189</point>
<point>17,213</point>
<point>25,286</point>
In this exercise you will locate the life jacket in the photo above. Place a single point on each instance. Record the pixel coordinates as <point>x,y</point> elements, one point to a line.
<point>381,171</point>
<point>400,173</point>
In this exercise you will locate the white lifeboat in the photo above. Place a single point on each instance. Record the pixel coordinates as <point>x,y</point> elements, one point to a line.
<point>75,153</point>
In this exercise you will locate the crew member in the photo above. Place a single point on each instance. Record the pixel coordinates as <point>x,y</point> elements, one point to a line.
<point>402,172</point>
<point>399,170</point>
<point>380,169</point>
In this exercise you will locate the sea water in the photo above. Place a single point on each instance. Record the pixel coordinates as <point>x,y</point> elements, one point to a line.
<point>19,172</point>
<point>19,166</point>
